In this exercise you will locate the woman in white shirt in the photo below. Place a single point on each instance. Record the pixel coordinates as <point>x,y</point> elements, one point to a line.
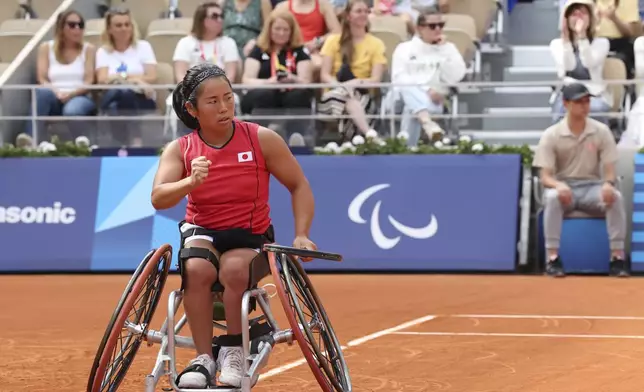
<point>65,66</point>
<point>580,56</point>
<point>206,44</point>
<point>124,59</point>
<point>431,62</point>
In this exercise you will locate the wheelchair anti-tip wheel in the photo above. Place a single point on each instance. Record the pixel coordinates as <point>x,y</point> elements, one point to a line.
<point>308,319</point>
<point>136,306</point>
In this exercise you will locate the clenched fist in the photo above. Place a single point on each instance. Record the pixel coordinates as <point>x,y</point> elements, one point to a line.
<point>199,170</point>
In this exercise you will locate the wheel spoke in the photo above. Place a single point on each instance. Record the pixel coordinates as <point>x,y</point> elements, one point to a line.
<point>306,307</point>
<point>136,307</point>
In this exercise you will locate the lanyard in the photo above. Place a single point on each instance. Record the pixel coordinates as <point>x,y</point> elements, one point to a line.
<point>276,65</point>
<point>214,53</point>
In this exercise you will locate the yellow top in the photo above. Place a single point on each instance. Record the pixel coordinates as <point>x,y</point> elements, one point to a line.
<point>367,53</point>
<point>628,11</point>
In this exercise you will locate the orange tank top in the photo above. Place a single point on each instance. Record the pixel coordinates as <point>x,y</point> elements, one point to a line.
<point>312,24</point>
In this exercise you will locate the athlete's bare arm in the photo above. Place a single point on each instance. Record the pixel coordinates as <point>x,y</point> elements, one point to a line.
<point>169,185</point>
<point>282,164</point>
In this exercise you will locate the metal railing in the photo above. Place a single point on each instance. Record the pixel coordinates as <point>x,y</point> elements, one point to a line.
<point>460,90</point>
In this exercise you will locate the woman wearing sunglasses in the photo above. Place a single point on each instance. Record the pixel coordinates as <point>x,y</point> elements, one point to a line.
<point>65,66</point>
<point>431,62</point>
<point>206,44</point>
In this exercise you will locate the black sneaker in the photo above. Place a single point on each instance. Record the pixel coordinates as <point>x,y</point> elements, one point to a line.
<point>555,268</point>
<point>618,267</point>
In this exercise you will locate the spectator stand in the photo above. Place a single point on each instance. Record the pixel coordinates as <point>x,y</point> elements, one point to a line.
<point>23,26</point>
<point>474,27</point>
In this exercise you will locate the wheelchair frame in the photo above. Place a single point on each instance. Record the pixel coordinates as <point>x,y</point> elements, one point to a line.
<point>259,334</point>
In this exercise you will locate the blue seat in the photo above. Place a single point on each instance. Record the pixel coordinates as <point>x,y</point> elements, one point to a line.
<point>584,244</point>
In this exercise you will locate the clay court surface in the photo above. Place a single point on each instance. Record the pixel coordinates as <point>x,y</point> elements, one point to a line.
<point>574,334</point>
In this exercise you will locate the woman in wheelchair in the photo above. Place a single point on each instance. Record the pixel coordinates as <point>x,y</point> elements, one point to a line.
<point>223,168</point>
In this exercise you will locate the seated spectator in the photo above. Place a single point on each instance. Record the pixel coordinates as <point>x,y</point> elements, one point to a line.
<point>571,155</point>
<point>65,67</point>
<point>353,57</point>
<point>243,21</point>
<point>619,21</point>
<point>633,135</point>
<point>124,59</point>
<point>206,44</point>
<point>317,20</point>
<point>408,10</point>
<point>278,57</point>
<point>580,56</point>
<point>428,60</point>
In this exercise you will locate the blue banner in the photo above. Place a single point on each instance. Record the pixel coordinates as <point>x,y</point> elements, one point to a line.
<point>637,239</point>
<point>437,212</point>
<point>416,212</point>
<point>127,226</point>
<point>47,210</point>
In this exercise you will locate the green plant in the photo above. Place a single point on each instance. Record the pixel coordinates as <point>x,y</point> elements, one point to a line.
<point>54,148</point>
<point>464,146</point>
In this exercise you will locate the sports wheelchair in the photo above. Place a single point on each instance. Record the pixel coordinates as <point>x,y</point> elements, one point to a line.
<point>302,306</point>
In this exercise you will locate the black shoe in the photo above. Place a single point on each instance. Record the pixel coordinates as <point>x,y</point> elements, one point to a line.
<point>618,268</point>
<point>555,268</point>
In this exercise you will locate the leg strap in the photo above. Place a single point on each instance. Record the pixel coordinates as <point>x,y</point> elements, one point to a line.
<point>198,253</point>
<point>199,369</point>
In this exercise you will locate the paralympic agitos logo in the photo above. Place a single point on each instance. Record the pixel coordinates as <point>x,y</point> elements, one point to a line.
<point>380,239</point>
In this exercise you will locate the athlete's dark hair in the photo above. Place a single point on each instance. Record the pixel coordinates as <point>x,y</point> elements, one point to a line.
<point>187,90</point>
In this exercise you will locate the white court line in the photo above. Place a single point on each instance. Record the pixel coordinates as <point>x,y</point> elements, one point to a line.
<point>540,316</point>
<point>282,369</point>
<point>522,335</point>
<point>353,343</point>
<point>359,341</point>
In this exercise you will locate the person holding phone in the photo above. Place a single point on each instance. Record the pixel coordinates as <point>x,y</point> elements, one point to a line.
<point>279,57</point>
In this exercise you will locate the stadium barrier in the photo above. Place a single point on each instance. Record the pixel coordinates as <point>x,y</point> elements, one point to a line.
<point>626,168</point>
<point>394,213</point>
<point>385,113</point>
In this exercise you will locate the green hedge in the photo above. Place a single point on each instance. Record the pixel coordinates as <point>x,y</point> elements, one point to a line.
<point>368,146</point>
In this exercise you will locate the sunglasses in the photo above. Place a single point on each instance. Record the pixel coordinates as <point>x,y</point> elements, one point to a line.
<point>119,11</point>
<point>433,26</point>
<point>74,25</point>
<point>214,16</point>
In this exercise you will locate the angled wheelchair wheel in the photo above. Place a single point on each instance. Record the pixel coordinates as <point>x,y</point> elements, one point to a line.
<point>310,324</point>
<point>135,308</point>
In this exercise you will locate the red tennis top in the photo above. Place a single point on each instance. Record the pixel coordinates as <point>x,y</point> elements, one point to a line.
<point>235,193</point>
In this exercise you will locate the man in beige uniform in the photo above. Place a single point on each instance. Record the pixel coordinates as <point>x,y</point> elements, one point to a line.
<point>571,155</point>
